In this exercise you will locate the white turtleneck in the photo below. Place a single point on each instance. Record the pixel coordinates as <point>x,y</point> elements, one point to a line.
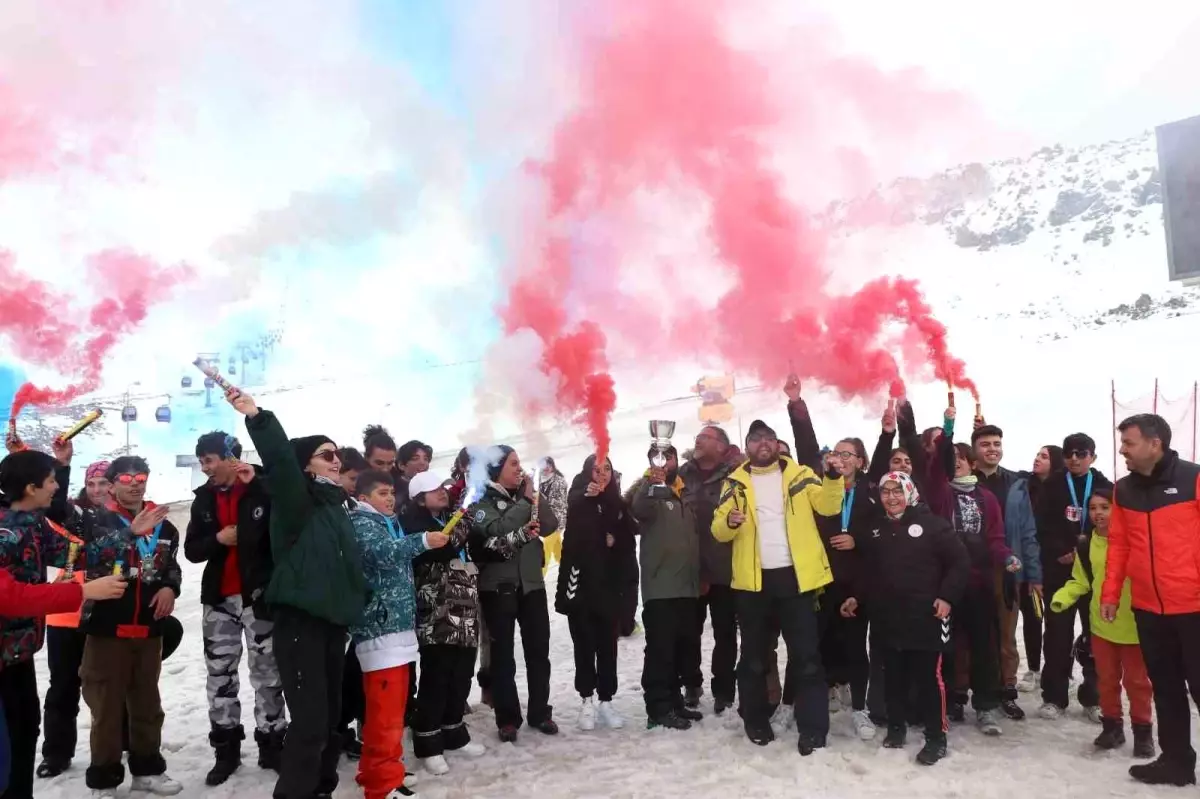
<point>773,549</point>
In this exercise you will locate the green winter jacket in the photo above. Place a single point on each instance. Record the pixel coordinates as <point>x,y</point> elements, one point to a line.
<point>1123,630</point>
<point>505,554</point>
<point>317,566</point>
<point>670,547</point>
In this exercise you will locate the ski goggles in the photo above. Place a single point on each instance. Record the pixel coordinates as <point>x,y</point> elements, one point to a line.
<point>132,479</point>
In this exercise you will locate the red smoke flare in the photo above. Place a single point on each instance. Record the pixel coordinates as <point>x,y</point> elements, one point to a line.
<point>44,329</point>
<point>667,104</point>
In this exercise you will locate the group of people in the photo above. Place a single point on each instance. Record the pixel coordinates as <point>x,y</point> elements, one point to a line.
<point>897,582</point>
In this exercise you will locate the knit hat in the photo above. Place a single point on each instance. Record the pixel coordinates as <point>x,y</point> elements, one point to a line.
<point>423,483</point>
<point>911,496</point>
<point>759,426</point>
<point>1079,441</point>
<point>500,454</point>
<point>97,469</point>
<point>307,446</point>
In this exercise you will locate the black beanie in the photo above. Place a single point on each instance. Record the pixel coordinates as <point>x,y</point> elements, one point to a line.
<point>494,468</point>
<point>306,446</point>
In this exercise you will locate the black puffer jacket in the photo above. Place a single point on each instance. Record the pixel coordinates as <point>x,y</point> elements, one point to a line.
<point>907,564</point>
<point>864,512</point>
<point>254,562</point>
<point>591,572</point>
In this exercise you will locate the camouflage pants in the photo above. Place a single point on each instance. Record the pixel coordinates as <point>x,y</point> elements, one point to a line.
<point>224,627</point>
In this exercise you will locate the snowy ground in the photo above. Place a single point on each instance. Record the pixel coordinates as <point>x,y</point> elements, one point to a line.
<point>1033,758</point>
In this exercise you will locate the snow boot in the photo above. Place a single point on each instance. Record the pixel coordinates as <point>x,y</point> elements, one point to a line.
<point>933,750</point>
<point>684,712</point>
<point>508,734</point>
<point>1112,736</point>
<point>227,747</point>
<point>270,748</point>
<point>956,712</point>
<point>1143,740</point>
<point>51,767</point>
<point>759,736</point>
<point>669,720</point>
<point>807,743</point>
<point>721,704</point>
<point>1164,772</point>
<point>547,726</point>
<point>1010,708</point>
<point>897,737</point>
<point>691,697</point>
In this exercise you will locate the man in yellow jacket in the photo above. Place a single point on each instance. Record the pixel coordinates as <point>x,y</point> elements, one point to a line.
<point>779,568</point>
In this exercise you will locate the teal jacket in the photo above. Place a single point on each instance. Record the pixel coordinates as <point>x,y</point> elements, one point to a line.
<point>317,566</point>
<point>387,555</point>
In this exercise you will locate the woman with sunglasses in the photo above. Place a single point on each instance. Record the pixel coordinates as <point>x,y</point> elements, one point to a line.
<point>316,592</point>
<point>1063,523</point>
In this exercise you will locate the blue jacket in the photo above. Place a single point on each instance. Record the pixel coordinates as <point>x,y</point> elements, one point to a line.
<point>384,636</point>
<point>1020,532</point>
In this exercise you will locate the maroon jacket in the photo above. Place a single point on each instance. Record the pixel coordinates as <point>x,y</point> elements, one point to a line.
<point>988,550</point>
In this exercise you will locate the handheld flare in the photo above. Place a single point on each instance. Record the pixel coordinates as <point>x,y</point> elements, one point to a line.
<point>83,424</point>
<point>950,393</point>
<point>212,373</point>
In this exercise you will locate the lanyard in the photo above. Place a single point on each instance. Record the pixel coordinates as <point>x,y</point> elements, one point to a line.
<point>847,506</point>
<point>1087,494</point>
<point>145,544</point>
<point>393,528</point>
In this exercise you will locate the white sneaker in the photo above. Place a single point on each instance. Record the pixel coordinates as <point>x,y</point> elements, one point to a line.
<point>988,722</point>
<point>1030,682</point>
<point>863,726</point>
<point>411,778</point>
<point>835,700</point>
<point>159,785</point>
<point>1093,714</point>
<point>470,749</point>
<point>1050,712</point>
<point>783,719</point>
<point>846,697</point>
<point>587,715</point>
<point>104,793</point>
<point>436,765</point>
<point>609,717</point>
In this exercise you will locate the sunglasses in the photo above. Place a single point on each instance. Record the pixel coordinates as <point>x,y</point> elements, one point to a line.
<point>132,479</point>
<point>1078,453</point>
<point>328,455</point>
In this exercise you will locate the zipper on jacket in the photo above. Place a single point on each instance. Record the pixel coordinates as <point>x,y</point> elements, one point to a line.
<point>1153,572</point>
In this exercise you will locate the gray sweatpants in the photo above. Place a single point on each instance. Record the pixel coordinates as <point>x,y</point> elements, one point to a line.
<point>225,625</point>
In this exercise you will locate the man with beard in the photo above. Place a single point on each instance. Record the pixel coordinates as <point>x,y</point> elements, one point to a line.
<point>778,564</point>
<point>702,477</point>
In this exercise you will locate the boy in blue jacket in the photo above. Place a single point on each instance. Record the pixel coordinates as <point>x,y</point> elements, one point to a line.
<point>385,638</point>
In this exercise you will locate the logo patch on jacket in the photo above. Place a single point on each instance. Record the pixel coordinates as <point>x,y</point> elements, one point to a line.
<point>501,504</point>
<point>8,536</point>
<point>480,516</point>
<point>670,505</point>
<point>915,530</point>
<point>257,514</point>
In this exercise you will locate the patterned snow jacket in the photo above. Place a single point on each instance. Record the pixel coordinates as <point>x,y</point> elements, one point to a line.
<point>384,635</point>
<point>447,583</point>
<point>32,540</point>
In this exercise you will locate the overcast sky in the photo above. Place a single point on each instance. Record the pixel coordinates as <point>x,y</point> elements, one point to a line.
<point>1060,70</point>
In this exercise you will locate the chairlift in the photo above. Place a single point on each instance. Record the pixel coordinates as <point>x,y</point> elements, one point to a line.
<point>185,382</point>
<point>129,414</point>
<point>232,368</point>
<point>209,383</point>
<point>162,413</point>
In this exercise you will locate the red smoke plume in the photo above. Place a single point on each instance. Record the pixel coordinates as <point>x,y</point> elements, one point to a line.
<point>666,105</point>
<point>45,329</point>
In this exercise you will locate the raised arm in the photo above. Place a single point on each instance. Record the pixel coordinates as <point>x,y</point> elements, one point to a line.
<point>291,503</point>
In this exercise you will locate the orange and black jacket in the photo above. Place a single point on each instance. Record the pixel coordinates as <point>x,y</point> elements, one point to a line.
<point>1154,539</point>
